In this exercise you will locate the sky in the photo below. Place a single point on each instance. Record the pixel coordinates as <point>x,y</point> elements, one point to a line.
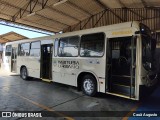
<point>5,29</point>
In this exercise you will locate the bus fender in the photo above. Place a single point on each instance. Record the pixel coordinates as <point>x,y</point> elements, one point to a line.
<point>82,73</point>
<point>22,67</point>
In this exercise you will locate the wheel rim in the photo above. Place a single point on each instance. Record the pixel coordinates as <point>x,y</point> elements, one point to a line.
<point>88,86</point>
<point>24,73</point>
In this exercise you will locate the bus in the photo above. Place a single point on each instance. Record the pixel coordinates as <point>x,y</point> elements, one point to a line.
<point>115,59</point>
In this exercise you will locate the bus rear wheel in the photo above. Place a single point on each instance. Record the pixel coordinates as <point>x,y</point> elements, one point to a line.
<point>24,73</point>
<point>89,85</point>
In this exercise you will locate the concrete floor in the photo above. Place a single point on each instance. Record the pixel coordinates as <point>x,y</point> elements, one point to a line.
<point>36,95</point>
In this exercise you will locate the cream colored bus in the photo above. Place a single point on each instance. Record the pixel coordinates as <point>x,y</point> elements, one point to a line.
<point>114,59</point>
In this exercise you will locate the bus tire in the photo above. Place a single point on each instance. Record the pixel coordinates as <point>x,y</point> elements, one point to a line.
<point>89,85</point>
<point>24,73</point>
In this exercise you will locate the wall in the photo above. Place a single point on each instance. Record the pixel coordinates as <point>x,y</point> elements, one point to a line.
<point>148,16</point>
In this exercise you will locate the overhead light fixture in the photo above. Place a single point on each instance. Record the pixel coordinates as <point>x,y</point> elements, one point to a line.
<point>31,14</point>
<point>60,2</point>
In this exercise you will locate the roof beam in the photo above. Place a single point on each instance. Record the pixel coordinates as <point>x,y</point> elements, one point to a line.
<point>122,4</point>
<point>44,3</point>
<point>136,13</point>
<point>36,2</point>
<point>101,4</point>
<point>31,6</point>
<point>18,23</point>
<point>59,12</point>
<point>107,8</point>
<point>14,18</point>
<point>99,18</point>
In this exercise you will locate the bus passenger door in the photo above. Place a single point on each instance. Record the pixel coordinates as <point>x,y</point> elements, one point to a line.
<point>14,60</point>
<point>121,60</point>
<point>46,62</point>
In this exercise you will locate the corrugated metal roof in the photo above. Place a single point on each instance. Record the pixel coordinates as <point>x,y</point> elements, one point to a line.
<point>56,18</point>
<point>11,36</point>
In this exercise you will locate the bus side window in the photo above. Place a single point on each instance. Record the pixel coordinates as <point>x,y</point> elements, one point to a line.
<point>8,50</point>
<point>19,49</point>
<point>68,47</point>
<point>35,49</point>
<point>24,49</point>
<point>92,45</point>
<point>56,47</point>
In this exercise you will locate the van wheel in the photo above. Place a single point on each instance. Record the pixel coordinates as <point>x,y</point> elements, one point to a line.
<point>89,85</point>
<point>24,73</point>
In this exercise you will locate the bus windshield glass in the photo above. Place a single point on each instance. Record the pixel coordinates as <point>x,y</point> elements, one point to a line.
<point>146,52</point>
<point>146,47</point>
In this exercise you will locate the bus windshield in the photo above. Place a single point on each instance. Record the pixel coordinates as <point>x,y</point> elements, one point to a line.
<point>147,50</point>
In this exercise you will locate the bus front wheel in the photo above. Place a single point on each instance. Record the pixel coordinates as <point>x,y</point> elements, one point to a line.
<point>24,73</point>
<point>89,85</point>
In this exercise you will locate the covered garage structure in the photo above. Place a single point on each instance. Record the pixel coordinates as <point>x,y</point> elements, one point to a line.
<point>70,15</point>
<point>67,16</point>
<point>10,37</point>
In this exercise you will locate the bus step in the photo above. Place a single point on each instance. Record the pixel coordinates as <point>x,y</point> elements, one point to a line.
<point>122,80</point>
<point>46,80</point>
<point>122,89</point>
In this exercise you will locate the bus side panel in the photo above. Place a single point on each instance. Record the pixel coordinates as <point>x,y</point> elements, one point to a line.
<point>7,63</point>
<point>34,67</point>
<point>22,61</point>
<point>66,70</point>
<point>7,58</point>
